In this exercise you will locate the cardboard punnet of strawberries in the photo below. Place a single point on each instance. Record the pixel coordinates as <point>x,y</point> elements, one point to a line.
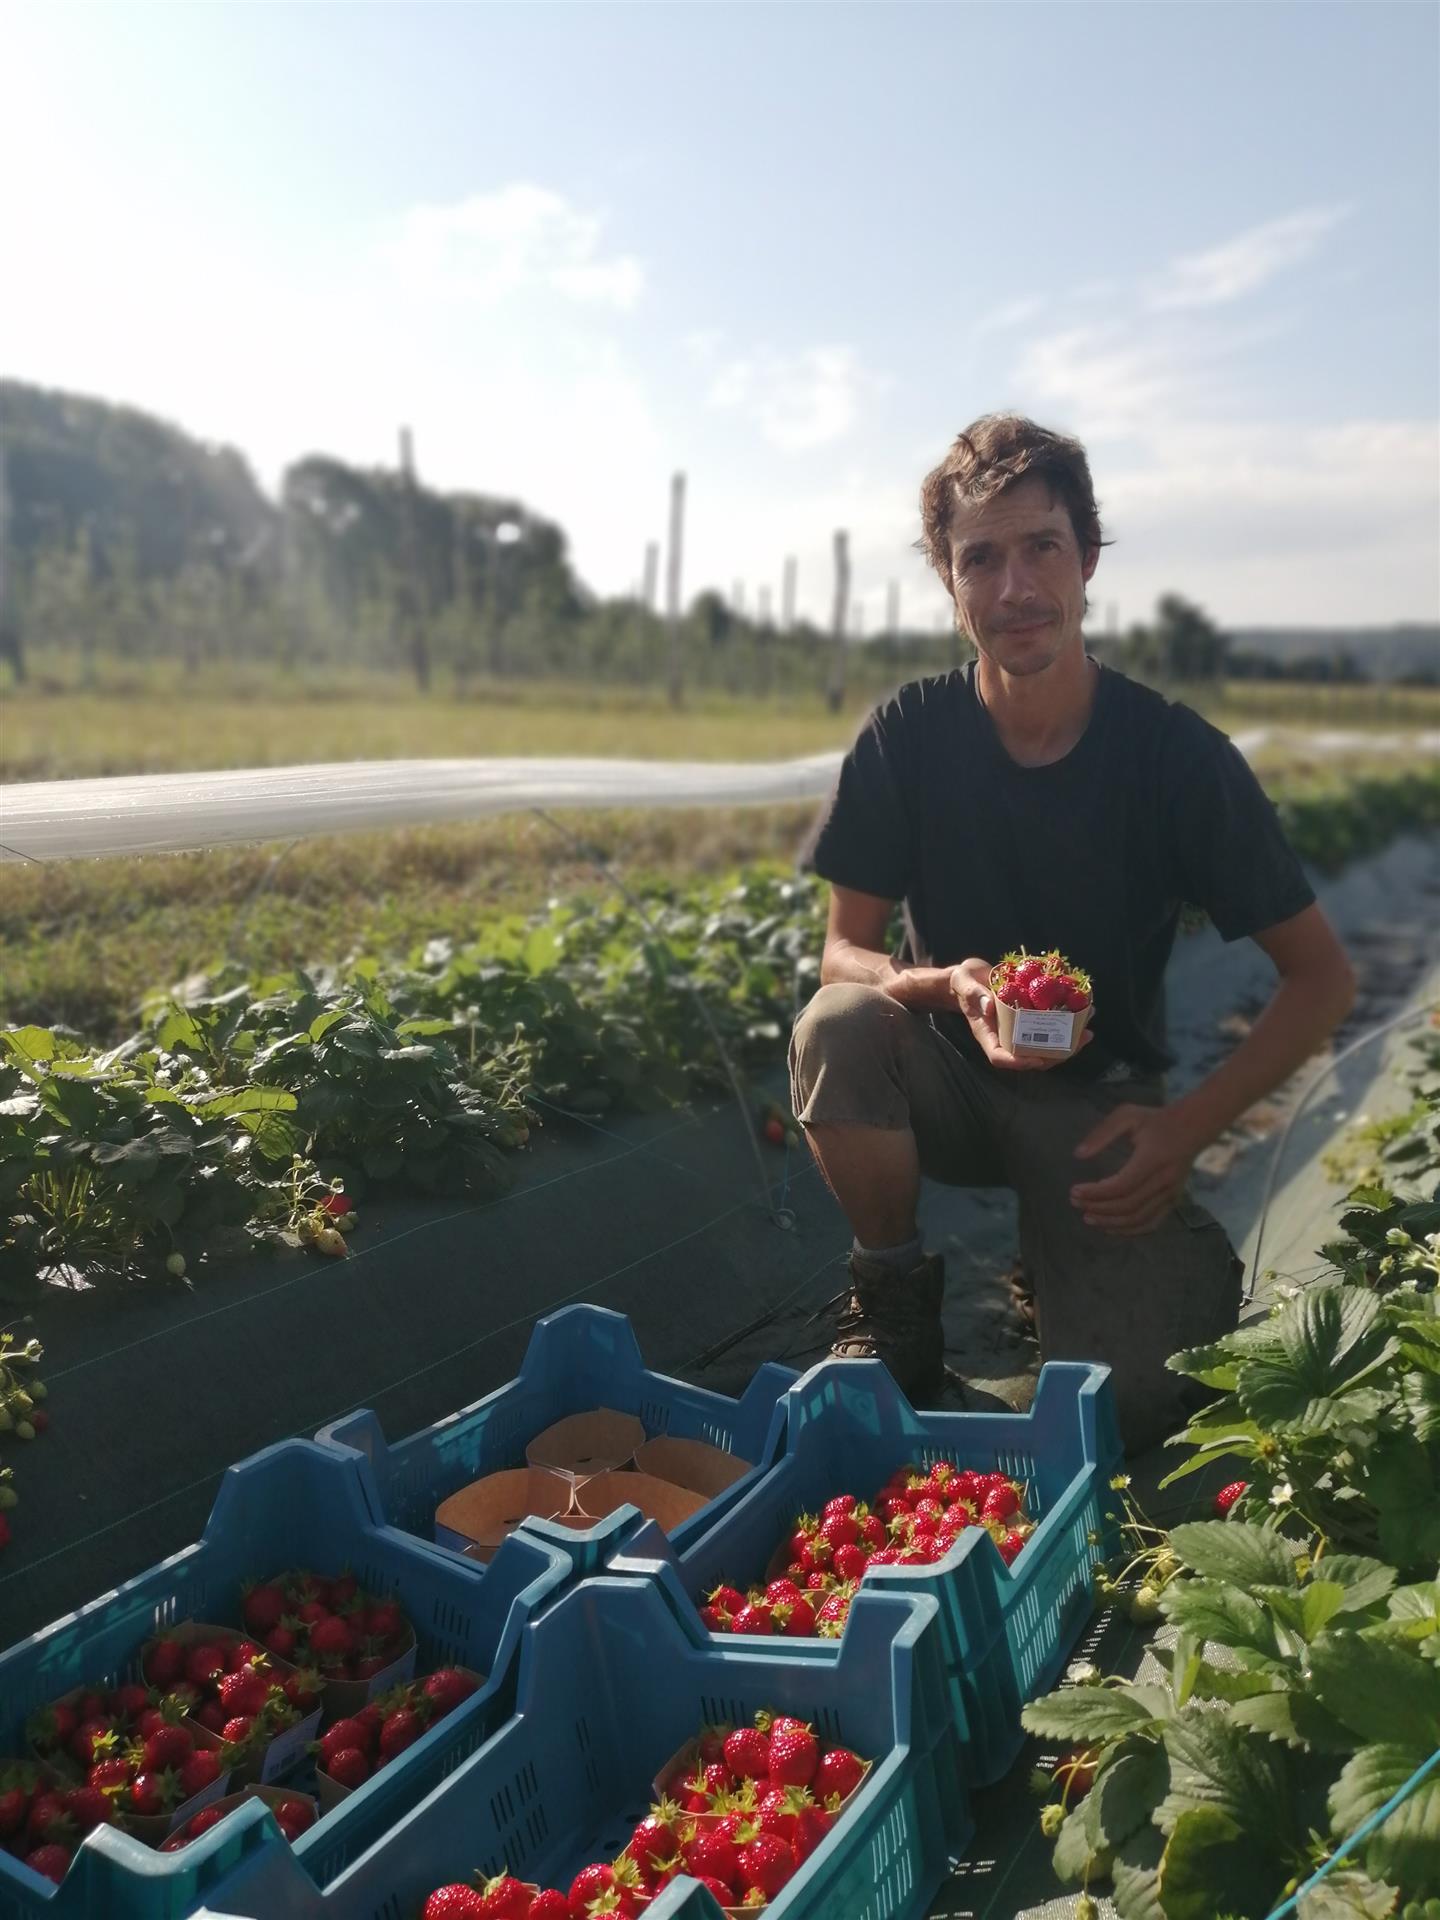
<point>739,1808</point>
<point>1043,1003</point>
<point>210,1714</point>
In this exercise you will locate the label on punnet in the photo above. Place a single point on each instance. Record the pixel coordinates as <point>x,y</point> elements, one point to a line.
<point>1054,1031</point>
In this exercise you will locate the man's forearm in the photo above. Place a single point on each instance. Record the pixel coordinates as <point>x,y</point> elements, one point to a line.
<point>846,965</point>
<point>1303,1012</point>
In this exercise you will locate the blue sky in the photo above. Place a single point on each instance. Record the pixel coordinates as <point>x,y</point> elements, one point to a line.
<point>791,249</point>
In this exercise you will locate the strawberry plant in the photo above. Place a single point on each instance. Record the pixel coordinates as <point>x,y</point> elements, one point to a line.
<point>1301,1692</point>
<point>1332,1408</point>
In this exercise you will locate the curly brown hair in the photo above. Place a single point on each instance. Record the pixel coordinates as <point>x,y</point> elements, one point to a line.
<point>993,454</point>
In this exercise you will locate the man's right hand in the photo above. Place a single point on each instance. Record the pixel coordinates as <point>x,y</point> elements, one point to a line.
<point>970,991</point>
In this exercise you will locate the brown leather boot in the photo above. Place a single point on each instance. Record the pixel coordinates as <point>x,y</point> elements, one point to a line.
<point>895,1317</point>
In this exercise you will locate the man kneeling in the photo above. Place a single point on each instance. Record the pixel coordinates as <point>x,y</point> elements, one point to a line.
<point>1036,799</point>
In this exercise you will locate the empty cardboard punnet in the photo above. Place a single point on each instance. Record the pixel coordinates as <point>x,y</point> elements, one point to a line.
<point>477,1519</point>
<point>586,1443</point>
<point>691,1463</point>
<point>659,1500</point>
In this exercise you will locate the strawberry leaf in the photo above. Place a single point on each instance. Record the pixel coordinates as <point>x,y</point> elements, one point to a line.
<point>1213,1865</point>
<point>1240,1556</point>
<point>1215,1764</point>
<point>1223,1614</point>
<point>1086,1715</point>
<point>1406,1845</point>
<point>1381,1692</point>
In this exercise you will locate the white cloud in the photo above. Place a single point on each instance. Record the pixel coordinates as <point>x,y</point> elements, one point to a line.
<point>800,400</point>
<point>518,237</point>
<point>1240,266</point>
<point>1014,313</point>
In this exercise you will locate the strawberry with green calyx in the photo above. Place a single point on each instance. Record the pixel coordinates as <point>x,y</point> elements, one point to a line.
<point>458,1901</point>
<point>747,1753</point>
<point>51,1862</point>
<point>549,1905</point>
<point>793,1756</point>
<point>839,1773</point>
<point>1227,1496</point>
<point>764,1861</point>
<point>657,1837</point>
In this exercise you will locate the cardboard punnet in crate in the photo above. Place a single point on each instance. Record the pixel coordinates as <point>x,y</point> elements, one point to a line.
<point>579,1359</point>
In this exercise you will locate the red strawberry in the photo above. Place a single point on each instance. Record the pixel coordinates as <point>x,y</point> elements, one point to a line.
<point>204,1665</point>
<point>504,1898</point>
<point>446,1689</point>
<point>296,1815</point>
<point>1012,1546</point>
<point>386,1621</point>
<point>840,1530</point>
<point>753,1617</point>
<point>655,1838</point>
<point>152,1793</point>
<point>107,1775</point>
<point>312,1613</point>
<point>766,1862</point>
<point>239,1729</point>
<point>795,1622</point>
<point>747,1754</point>
<point>202,1822</point>
<point>549,1905</point>
<point>130,1700</point>
<point>588,1885</point>
<point>792,1756</point>
<point>401,1729</point>
<point>331,1640</point>
<point>714,1621</point>
<point>302,1690</point>
<point>1045,994</point>
<point>92,1740</point>
<point>88,1807</point>
<point>50,1862</point>
<point>212,1715</point>
<point>263,1608</point>
<point>200,1770</point>
<point>999,1504</point>
<point>719,1890</point>
<point>14,1805</point>
<point>245,1653</point>
<point>47,1809</point>
<point>455,1902</point>
<point>347,1767</point>
<point>726,1599</point>
<point>353,1732</point>
<point>851,1562</point>
<point>839,1771</point>
<point>281,1642</point>
<point>244,1692</point>
<point>711,1852</point>
<point>168,1746</point>
<point>1227,1496</point>
<point>54,1726</point>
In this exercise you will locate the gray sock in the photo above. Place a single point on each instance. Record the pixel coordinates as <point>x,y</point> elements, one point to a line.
<point>899,1259</point>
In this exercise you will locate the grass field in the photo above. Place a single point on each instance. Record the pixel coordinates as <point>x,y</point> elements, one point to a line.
<point>81,942</point>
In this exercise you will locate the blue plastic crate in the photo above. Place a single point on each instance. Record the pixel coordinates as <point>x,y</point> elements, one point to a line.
<point>577,1359</point>
<point>295,1504</point>
<point>610,1685</point>
<point>1006,1631</point>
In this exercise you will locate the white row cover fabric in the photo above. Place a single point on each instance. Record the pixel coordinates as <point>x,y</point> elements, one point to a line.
<point>177,812</point>
<point>180,812</point>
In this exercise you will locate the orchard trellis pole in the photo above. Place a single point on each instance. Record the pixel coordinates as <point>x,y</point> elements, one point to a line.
<point>836,691</point>
<point>672,586</point>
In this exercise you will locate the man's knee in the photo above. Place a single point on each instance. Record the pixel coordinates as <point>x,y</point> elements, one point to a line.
<point>849,1034</point>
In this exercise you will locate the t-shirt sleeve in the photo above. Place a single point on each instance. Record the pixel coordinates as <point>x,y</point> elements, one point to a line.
<point>1226,838</point>
<point>862,837</point>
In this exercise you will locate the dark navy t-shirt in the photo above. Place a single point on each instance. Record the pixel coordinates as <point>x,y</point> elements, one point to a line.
<point>1094,854</point>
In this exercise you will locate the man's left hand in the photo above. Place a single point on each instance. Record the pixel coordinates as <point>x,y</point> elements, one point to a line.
<point>1139,1196</point>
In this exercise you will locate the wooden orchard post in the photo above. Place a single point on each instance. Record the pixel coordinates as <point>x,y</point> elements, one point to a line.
<point>835,694</point>
<point>672,586</point>
<point>414,590</point>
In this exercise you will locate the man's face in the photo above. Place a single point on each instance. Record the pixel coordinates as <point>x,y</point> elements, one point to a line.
<point>1018,577</point>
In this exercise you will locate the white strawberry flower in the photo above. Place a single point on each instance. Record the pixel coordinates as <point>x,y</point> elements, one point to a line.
<point>1282,1494</point>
